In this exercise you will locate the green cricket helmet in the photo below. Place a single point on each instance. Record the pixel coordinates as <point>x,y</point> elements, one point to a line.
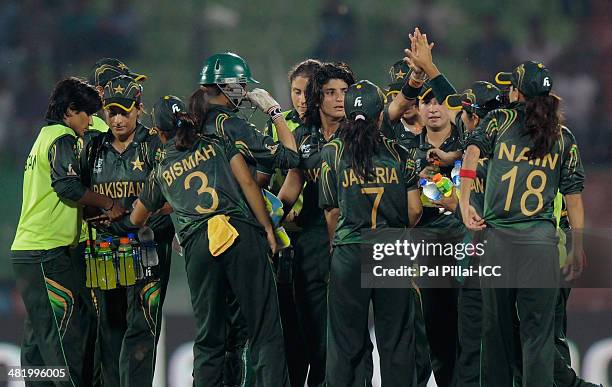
<point>363,100</point>
<point>225,68</point>
<point>230,73</point>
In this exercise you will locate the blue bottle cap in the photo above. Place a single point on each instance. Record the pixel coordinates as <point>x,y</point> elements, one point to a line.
<point>458,163</point>
<point>131,236</point>
<point>422,182</point>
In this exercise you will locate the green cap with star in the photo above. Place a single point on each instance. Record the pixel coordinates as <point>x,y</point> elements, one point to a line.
<point>363,100</point>
<point>480,99</point>
<point>530,78</point>
<point>106,69</point>
<point>123,92</point>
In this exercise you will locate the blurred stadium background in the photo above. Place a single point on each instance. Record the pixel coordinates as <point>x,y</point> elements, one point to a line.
<point>42,41</point>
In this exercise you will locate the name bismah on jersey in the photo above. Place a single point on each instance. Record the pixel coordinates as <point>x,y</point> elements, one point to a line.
<point>177,169</point>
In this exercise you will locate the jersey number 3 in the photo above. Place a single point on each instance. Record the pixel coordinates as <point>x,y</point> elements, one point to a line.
<point>378,191</point>
<point>204,188</point>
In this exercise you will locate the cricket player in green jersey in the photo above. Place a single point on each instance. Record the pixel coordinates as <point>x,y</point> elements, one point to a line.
<point>201,176</point>
<point>223,88</point>
<point>288,282</point>
<point>48,226</point>
<point>408,128</point>
<point>324,112</point>
<point>117,164</point>
<point>367,182</point>
<point>531,158</point>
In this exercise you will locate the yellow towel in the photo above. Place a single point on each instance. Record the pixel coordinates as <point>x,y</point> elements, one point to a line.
<point>221,234</point>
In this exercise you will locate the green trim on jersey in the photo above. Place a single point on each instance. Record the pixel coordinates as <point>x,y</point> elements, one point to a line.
<point>46,222</point>
<point>379,201</point>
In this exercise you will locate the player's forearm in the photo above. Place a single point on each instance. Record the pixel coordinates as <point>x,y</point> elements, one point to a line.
<point>331,219</point>
<point>140,214</point>
<point>291,189</point>
<point>93,199</point>
<point>575,214</point>
<point>251,191</point>
<point>470,163</point>
<point>284,134</point>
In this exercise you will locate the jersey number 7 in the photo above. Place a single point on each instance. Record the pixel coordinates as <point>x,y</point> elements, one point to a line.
<point>378,191</point>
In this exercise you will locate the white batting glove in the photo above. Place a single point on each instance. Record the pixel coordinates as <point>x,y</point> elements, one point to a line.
<point>264,102</point>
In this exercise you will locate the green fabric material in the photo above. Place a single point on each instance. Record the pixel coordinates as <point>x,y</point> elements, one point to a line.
<point>245,269</point>
<point>376,202</point>
<point>522,191</point>
<point>41,202</point>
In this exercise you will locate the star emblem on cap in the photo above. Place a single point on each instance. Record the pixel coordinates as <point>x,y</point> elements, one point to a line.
<point>121,66</point>
<point>137,164</point>
<point>118,89</point>
<point>400,74</point>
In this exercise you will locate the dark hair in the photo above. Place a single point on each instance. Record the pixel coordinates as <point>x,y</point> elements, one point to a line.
<point>198,103</point>
<point>361,139</point>
<point>185,131</point>
<point>542,123</point>
<point>75,94</point>
<point>304,69</point>
<point>314,90</point>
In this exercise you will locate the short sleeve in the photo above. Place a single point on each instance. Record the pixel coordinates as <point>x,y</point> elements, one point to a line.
<point>65,177</point>
<point>328,191</point>
<point>151,195</point>
<point>572,171</point>
<point>484,136</point>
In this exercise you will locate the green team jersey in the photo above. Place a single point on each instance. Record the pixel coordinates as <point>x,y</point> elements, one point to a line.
<point>399,132</point>
<point>98,124</point>
<point>293,120</point>
<point>198,183</point>
<point>257,148</point>
<point>379,201</point>
<point>122,175</point>
<point>520,193</point>
<point>432,215</point>
<point>47,220</point>
<point>310,142</point>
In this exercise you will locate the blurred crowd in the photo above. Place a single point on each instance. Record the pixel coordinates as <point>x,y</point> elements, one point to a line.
<point>43,40</point>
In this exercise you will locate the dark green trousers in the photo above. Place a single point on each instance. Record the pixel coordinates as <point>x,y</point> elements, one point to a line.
<point>310,280</point>
<point>88,319</point>
<point>348,305</point>
<point>467,371</point>
<point>245,271</point>
<point>423,362</point>
<point>129,325</point>
<point>518,323</point>
<point>51,293</point>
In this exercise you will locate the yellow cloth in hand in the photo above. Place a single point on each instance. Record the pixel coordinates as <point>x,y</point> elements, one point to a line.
<point>221,234</point>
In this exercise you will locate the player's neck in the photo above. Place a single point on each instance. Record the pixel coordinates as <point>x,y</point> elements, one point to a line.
<point>437,136</point>
<point>329,125</point>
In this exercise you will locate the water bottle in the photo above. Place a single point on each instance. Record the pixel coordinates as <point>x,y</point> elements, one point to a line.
<point>430,190</point>
<point>91,275</point>
<point>107,277</point>
<point>127,275</point>
<point>136,256</point>
<point>147,245</point>
<point>445,186</point>
<point>455,173</point>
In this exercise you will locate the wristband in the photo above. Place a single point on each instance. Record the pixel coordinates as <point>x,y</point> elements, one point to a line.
<point>274,112</point>
<point>414,77</point>
<point>409,91</point>
<point>467,173</point>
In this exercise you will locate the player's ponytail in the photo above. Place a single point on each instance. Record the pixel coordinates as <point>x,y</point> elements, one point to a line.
<point>185,131</point>
<point>542,123</point>
<point>361,138</point>
<point>199,102</point>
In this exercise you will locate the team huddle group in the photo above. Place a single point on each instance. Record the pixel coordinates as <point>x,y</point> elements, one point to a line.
<point>280,303</point>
